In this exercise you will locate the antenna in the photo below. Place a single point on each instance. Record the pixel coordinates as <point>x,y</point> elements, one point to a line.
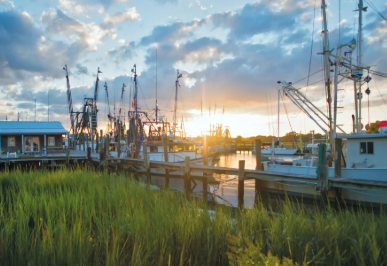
<point>35,110</point>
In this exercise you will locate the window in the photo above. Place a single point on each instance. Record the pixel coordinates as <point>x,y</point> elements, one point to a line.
<point>51,141</point>
<point>366,148</point>
<point>11,141</point>
<point>153,148</point>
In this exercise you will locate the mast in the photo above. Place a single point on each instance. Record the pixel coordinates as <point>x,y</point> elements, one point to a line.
<point>279,94</point>
<point>135,94</point>
<point>327,67</point>
<point>174,112</point>
<point>156,86</point>
<point>359,60</point>
<point>35,110</point>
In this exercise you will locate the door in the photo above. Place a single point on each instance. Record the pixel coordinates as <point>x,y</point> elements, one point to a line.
<point>31,144</point>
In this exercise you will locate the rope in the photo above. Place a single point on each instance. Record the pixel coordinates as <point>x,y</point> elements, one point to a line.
<point>375,9</point>
<point>286,111</point>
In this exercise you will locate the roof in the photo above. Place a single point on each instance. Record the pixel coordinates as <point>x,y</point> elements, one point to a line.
<point>31,127</point>
<point>363,136</point>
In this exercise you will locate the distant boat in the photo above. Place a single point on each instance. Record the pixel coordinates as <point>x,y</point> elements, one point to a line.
<point>277,151</point>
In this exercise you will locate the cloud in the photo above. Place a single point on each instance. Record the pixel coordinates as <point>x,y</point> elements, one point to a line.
<point>27,56</point>
<point>72,7</point>
<point>123,52</point>
<point>171,33</point>
<point>119,17</point>
<point>81,69</point>
<point>88,35</point>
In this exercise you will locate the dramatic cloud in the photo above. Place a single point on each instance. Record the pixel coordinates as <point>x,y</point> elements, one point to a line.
<point>123,52</point>
<point>90,35</point>
<point>81,69</point>
<point>27,55</point>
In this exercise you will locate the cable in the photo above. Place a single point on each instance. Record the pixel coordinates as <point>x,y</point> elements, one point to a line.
<point>308,76</point>
<point>375,9</point>
<point>379,92</point>
<point>311,47</point>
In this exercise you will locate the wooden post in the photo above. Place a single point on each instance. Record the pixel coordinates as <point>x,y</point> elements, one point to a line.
<point>241,184</point>
<point>136,144</point>
<point>68,158</point>
<point>258,166</point>
<point>205,162</point>
<point>187,176</point>
<point>119,141</point>
<point>87,141</point>
<point>7,166</point>
<point>101,135</point>
<point>89,154</point>
<point>106,151</point>
<point>146,163</point>
<point>338,148</point>
<point>97,143</point>
<point>92,141</point>
<point>322,174</point>
<point>127,139</point>
<point>165,146</point>
<point>205,151</point>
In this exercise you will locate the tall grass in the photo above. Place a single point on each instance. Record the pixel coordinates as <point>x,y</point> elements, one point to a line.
<point>86,218</point>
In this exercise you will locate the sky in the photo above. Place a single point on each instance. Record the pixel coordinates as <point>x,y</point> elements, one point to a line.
<point>231,55</point>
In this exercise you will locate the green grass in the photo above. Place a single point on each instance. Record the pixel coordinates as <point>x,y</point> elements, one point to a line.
<point>86,218</point>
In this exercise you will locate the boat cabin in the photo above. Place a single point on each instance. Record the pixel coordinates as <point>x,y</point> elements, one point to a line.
<point>28,137</point>
<point>365,150</point>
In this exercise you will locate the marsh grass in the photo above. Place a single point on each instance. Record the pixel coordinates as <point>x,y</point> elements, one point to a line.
<point>87,218</point>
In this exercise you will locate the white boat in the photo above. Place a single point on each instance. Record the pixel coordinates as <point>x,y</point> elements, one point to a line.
<point>278,151</point>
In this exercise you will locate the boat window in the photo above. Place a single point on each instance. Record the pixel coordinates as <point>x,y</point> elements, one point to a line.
<point>179,148</point>
<point>153,148</point>
<point>363,147</point>
<point>370,148</point>
<point>366,148</point>
<point>11,141</point>
<point>170,147</point>
<point>189,148</point>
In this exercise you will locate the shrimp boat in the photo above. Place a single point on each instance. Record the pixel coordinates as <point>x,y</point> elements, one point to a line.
<point>363,152</point>
<point>178,145</point>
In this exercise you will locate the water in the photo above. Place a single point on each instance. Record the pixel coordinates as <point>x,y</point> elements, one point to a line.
<point>226,192</point>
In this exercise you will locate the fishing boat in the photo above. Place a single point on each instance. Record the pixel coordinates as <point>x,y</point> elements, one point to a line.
<point>363,153</point>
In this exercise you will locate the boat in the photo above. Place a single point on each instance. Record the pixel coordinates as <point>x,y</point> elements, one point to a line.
<point>363,153</point>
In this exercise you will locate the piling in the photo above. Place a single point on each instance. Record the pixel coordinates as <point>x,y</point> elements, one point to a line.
<point>68,158</point>
<point>146,163</point>
<point>338,148</point>
<point>92,141</point>
<point>96,143</point>
<point>187,176</point>
<point>258,166</point>
<point>7,166</point>
<point>322,174</point>
<point>241,184</point>
<point>87,142</point>
<point>105,154</point>
<point>165,146</point>
<point>136,144</point>
<point>205,162</point>
<point>119,141</point>
<point>101,135</point>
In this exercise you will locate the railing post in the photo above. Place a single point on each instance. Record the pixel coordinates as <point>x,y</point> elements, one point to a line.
<point>187,176</point>
<point>241,184</point>
<point>258,183</point>
<point>205,162</point>
<point>146,163</point>
<point>338,150</point>
<point>165,146</point>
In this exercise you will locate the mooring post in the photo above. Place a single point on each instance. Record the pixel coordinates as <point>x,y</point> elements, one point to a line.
<point>187,176</point>
<point>146,163</point>
<point>97,143</point>
<point>165,147</point>
<point>92,141</point>
<point>338,150</point>
<point>258,182</point>
<point>68,157</point>
<point>101,136</point>
<point>7,166</point>
<point>119,141</point>
<point>136,144</point>
<point>205,162</point>
<point>241,184</point>
<point>88,153</point>
<point>322,173</point>
<point>105,154</point>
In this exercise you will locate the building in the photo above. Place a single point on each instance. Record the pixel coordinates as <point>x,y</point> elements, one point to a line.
<point>30,137</point>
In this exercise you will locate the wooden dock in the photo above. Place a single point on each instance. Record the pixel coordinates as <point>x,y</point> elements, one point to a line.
<point>301,186</point>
